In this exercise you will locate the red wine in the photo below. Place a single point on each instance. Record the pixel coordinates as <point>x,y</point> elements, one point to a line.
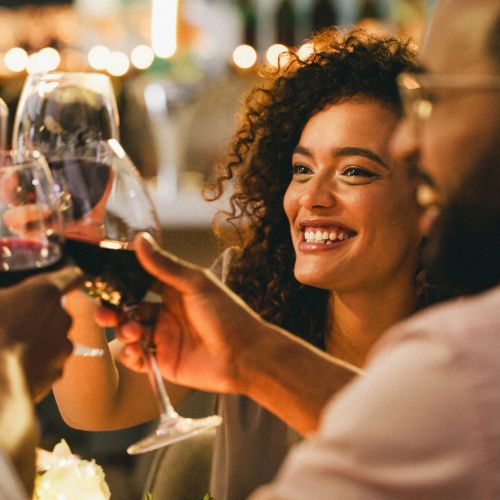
<point>85,181</point>
<point>21,258</point>
<point>119,279</point>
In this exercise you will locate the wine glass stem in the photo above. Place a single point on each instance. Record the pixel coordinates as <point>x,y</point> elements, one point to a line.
<point>166,408</point>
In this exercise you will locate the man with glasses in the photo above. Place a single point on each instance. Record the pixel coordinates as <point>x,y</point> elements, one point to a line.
<point>423,422</point>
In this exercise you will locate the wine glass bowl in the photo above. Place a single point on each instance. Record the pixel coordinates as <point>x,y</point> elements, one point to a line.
<point>31,226</point>
<point>65,110</point>
<point>105,206</point>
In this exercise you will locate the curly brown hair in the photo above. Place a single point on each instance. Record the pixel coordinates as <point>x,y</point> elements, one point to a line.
<point>340,67</point>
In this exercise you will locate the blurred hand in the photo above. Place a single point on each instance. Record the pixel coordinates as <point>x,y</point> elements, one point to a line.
<point>33,318</point>
<point>201,328</point>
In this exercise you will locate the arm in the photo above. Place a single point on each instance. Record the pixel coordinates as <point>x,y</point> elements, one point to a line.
<point>33,348</point>
<point>34,321</point>
<point>206,337</point>
<point>404,431</point>
<point>99,393</point>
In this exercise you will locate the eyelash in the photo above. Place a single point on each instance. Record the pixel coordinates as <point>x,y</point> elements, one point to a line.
<point>357,171</point>
<point>353,173</point>
<point>299,166</point>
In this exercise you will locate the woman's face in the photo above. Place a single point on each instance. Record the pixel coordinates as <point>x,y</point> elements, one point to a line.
<point>352,212</point>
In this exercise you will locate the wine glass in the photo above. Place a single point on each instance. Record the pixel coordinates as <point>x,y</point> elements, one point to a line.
<point>106,206</point>
<point>64,110</point>
<point>31,225</point>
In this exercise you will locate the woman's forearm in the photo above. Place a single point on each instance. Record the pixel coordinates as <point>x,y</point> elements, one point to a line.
<point>96,393</point>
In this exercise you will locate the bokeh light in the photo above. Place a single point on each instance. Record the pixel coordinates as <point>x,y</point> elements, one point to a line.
<point>305,51</point>
<point>244,56</point>
<point>99,57</point>
<point>16,59</point>
<point>142,56</point>
<point>119,64</point>
<point>49,58</point>
<point>277,53</point>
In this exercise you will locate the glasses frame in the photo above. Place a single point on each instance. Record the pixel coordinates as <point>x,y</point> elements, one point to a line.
<point>415,87</point>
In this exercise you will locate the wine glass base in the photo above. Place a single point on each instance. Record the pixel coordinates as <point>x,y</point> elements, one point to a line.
<point>172,431</point>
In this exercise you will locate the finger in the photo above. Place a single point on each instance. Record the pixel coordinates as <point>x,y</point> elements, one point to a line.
<point>129,332</point>
<point>132,357</point>
<point>106,317</point>
<point>169,269</point>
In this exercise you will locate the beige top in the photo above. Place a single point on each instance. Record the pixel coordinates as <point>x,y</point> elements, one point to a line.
<point>251,442</point>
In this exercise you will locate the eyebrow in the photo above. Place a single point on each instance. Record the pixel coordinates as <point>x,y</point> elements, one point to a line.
<point>347,151</point>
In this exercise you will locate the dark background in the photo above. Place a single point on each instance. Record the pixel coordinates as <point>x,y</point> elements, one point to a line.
<point>20,3</point>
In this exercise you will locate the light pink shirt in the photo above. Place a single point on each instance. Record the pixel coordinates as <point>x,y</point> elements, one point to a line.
<point>10,485</point>
<point>423,423</point>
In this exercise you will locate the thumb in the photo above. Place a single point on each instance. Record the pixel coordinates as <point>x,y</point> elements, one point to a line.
<point>166,267</point>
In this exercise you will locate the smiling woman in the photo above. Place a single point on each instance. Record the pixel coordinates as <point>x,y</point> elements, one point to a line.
<point>329,241</point>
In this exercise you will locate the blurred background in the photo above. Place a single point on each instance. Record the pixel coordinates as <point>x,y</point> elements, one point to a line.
<point>180,69</point>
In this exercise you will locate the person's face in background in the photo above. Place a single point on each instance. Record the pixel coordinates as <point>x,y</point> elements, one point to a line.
<point>457,146</point>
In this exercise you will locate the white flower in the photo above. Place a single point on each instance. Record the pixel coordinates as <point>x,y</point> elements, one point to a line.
<point>71,478</point>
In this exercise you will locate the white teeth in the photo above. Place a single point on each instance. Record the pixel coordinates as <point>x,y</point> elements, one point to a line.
<point>326,237</point>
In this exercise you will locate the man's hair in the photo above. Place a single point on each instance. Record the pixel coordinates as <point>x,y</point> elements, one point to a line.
<point>493,41</point>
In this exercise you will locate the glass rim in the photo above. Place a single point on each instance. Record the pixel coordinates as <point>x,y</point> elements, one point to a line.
<point>58,73</point>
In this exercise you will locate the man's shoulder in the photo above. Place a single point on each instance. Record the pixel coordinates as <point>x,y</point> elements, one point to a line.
<point>454,323</point>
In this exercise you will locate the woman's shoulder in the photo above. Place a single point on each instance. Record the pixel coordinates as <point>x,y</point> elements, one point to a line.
<point>222,264</point>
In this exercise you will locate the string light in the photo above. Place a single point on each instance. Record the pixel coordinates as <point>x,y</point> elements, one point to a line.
<point>244,56</point>
<point>119,64</point>
<point>99,57</point>
<point>305,51</point>
<point>164,27</point>
<point>276,53</point>
<point>49,59</point>
<point>142,56</point>
<point>16,59</point>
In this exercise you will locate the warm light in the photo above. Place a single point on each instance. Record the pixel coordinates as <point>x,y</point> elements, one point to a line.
<point>16,59</point>
<point>118,64</point>
<point>276,53</point>
<point>244,56</point>
<point>99,57</point>
<point>34,64</point>
<point>164,27</point>
<point>49,59</point>
<point>142,56</point>
<point>305,51</point>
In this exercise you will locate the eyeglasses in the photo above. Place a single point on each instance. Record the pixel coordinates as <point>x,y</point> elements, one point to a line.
<point>417,90</point>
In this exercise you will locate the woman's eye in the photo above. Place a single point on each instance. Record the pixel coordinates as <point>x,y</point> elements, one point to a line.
<point>298,169</point>
<point>358,172</point>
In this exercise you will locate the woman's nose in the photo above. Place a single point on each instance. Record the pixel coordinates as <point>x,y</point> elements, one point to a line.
<point>318,193</point>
